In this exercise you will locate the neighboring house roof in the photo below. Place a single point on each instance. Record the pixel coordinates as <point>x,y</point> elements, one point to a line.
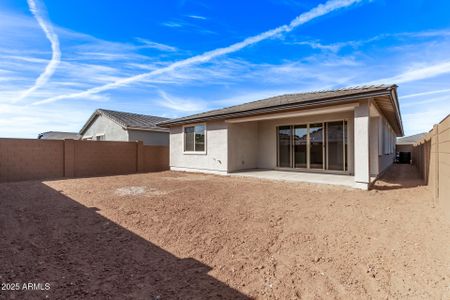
<point>386,96</point>
<point>411,140</point>
<point>58,135</point>
<point>127,120</point>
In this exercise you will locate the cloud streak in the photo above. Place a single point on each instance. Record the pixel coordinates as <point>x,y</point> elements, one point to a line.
<point>417,73</point>
<point>39,13</point>
<point>314,13</point>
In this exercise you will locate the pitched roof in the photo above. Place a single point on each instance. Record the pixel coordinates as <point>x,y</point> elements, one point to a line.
<point>293,101</point>
<point>410,140</point>
<point>58,135</point>
<point>128,120</point>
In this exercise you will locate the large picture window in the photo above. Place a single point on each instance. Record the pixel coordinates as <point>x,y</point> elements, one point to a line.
<point>194,138</point>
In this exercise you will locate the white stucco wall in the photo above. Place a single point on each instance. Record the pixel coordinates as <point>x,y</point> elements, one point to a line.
<point>214,160</point>
<point>243,146</point>
<point>267,136</point>
<point>111,130</point>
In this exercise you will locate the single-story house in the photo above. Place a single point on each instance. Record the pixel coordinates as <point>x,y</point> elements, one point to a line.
<point>58,135</point>
<point>109,125</point>
<point>349,131</point>
<point>404,147</point>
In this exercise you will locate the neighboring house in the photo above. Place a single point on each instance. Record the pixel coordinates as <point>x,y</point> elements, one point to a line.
<point>58,135</point>
<point>108,125</point>
<point>346,131</point>
<point>404,147</point>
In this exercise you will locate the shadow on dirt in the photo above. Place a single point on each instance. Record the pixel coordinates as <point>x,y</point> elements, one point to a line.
<point>46,237</point>
<point>399,176</point>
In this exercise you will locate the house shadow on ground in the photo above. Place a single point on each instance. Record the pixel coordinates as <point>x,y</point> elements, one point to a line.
<point>46,237</point>
<point>399,176</point>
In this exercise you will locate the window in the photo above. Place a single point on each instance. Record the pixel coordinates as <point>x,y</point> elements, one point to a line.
<point>313,146</point>
<point>194,138</point>
<point>100,137</point>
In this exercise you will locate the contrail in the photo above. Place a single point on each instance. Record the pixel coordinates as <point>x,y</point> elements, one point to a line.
<point>39,14</point>
<point>316,12</point>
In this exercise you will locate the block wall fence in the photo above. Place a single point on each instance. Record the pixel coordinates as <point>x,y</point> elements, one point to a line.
<point>431,155</point>
<point>27,159</point>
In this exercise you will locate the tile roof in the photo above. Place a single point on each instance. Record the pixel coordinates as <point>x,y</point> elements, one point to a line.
<point>129,120</point>
<point>261,106</point>
<point>58,135</point>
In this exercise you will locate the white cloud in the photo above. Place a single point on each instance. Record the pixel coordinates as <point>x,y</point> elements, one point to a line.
<point>316,12</point>
<point>196,17</point>
<point>426,93</point>
<point>153,45</point>
<point>423,71</point>
<point>172,24</point>
<point>39,12</point>
<point>181,104</point>
<point>423,120</point>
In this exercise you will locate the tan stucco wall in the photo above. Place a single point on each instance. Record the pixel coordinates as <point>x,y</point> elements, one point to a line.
<point>216,157</point>
<point>267,136</point>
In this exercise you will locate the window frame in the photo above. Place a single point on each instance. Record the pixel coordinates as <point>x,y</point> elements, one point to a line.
<point>184,139</point>
<point>101,136</point>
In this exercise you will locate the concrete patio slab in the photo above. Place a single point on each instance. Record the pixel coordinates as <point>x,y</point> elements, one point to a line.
<point>333,179</point>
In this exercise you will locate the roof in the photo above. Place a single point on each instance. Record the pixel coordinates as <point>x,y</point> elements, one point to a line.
<point>129,121</point>
<point>410,140</point>
<point>300,100</point>
<point>58,135</point>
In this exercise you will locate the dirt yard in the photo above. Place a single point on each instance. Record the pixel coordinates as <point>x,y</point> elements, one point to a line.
<point>178,235</point>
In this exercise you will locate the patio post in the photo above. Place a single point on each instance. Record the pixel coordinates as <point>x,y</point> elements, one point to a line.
<point>361,141</point>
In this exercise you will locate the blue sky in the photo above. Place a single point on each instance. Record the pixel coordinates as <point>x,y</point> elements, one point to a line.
<point>60,60</point>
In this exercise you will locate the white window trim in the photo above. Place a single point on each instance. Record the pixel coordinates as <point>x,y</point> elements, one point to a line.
<point>98,135</point>
<point>183,144</point>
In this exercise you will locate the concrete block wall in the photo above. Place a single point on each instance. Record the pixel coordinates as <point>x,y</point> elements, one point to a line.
<point>432,157</point>
<point>26,159</point>
<point>155,158</point>
<point>104,158</point>
<point>30,159</point>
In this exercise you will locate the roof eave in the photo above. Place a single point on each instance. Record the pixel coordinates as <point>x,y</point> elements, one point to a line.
<point>305,104</point>
<point>155,129</point>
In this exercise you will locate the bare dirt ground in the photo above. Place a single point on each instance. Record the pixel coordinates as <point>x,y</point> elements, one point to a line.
<point>178,235</point>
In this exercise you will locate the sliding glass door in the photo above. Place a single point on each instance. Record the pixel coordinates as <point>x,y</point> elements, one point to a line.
<point>284,146</point>
<point>316,146</point>
<point>300,146</point>
<point>319,146</point>
<point>335,142</point>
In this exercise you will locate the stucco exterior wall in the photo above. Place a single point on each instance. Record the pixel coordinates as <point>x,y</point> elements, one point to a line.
<point>151,138</point>
<point>387,156</point>
<point>404,148</point>
<point>243,146</point>
<point>374,142</point>
<point>111,130</point>
<point>267,136</point>
<point>215,158</point>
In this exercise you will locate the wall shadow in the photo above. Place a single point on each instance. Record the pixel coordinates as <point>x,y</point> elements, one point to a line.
<point>47,237</point>
<point>399,176</point>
